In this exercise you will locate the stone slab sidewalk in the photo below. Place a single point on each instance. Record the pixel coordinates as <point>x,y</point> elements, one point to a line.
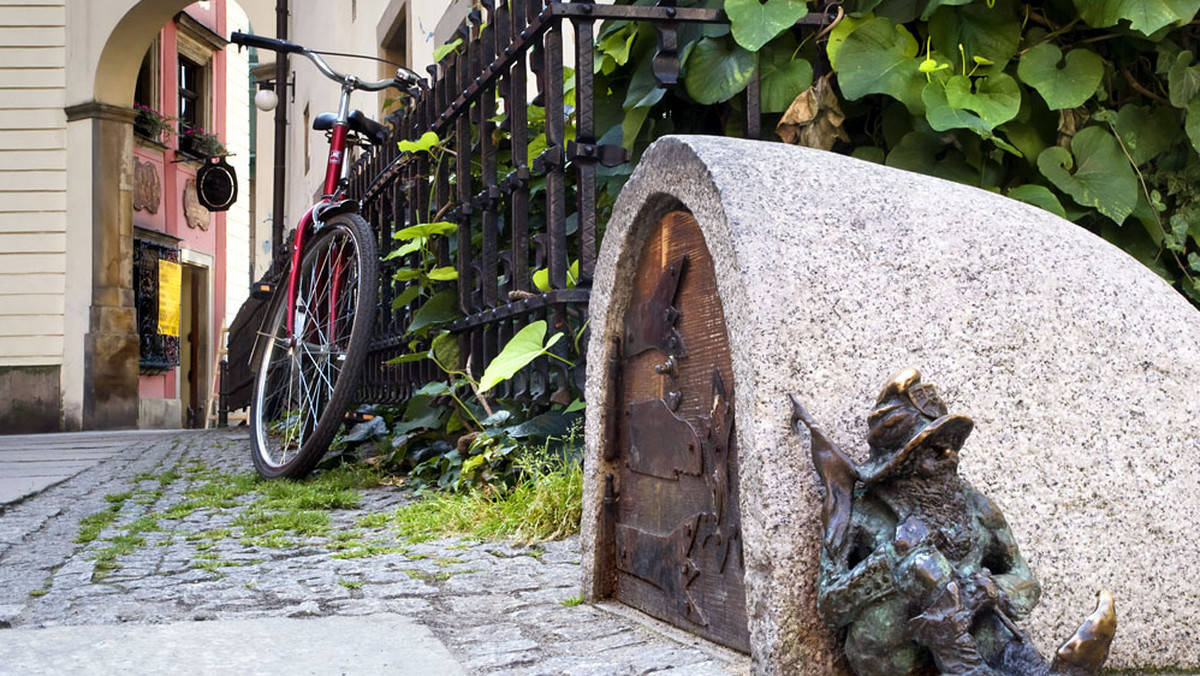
<point>188,581</point>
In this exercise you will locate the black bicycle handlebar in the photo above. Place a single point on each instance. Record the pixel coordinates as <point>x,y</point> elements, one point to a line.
<point>248,40</point>
<point>405,79</point>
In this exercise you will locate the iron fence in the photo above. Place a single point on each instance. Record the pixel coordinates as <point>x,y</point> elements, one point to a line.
<point>519,179</point>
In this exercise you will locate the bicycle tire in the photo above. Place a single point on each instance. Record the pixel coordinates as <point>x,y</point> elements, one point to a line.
<point>302,389</point>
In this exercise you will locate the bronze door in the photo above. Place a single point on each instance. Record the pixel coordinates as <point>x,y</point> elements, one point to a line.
<point>677,530</point>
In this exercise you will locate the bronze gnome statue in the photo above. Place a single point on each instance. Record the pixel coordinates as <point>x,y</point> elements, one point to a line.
<point>918,567</point>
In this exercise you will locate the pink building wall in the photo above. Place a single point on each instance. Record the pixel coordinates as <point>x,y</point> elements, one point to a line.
<point>174,170</point>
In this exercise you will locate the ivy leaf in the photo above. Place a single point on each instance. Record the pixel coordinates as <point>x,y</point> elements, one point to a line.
<point>408,295</point>
<point>406,274</point>
<point>1146,131</point>
<point>754,23</point>
<point>943,116</point>
<point>1039,196</point>
<point>441,308</point>
<point>424,144</point>
<point>934,4</point>
<point>522,349</point>
<point>444,350</point>
<point>717,69</point>
<point>410,247</point>
<point>1192,127</point>
<point>927,154</point>
<point>880,58</point>
<point>412,232</point>
<point>1066,86</point>
<point>1102,177</point>
<point>996,98</point>
<point>443,274</point>
<point>1146,16</point>
<point>838,35</point>
<point>781,78</point>
<point>993,33</point>
<point>1183,81</point>
<point>444,51</point>
<point>616,45</point>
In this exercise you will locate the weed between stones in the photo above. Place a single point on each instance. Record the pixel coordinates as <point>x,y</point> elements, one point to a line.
<point>287,514</point>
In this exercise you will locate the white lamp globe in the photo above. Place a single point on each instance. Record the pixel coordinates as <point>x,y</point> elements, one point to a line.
<point>266,100</point>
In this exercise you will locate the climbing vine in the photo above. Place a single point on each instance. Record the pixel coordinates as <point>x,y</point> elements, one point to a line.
<point>1089,109</point>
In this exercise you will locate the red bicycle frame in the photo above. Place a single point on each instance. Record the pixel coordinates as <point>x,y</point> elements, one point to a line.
<point>335,175</point>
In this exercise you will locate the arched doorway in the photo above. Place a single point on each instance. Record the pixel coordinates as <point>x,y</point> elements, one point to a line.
<point>107,40</point>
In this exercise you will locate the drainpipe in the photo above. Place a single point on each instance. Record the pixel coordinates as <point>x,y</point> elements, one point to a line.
<point>281,78</point>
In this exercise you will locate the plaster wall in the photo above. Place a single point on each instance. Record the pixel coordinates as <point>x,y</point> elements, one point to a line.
<point>33,185</point>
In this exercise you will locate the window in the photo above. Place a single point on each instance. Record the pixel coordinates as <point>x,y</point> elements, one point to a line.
<point>191,94</point>
<point>146,90</point>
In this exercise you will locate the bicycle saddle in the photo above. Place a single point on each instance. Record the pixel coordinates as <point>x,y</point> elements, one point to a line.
<point>372,131</point>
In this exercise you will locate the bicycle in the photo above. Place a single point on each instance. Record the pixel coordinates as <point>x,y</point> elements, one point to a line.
<point>314,344</point>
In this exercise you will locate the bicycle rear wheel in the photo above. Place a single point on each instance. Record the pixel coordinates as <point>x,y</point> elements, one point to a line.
<point>305,379</point>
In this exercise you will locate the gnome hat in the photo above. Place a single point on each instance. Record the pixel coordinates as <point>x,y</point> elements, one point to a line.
<point>907,416</point>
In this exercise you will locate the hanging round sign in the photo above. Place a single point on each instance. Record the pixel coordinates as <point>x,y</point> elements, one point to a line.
<point>216,184</point>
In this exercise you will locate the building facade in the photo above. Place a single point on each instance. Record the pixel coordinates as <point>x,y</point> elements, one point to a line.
<point>114,286</point>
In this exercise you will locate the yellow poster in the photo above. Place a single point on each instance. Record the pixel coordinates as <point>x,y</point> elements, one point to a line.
<point>170,278</point>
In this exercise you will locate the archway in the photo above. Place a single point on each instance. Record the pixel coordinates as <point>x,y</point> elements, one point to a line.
<point>106,42</point>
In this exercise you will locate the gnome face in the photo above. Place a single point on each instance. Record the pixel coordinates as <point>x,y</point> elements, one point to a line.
<point>935,460</point>
<point>911,431</point>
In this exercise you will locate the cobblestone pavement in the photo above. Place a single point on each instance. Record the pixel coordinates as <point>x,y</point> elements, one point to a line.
<point>498,608</point>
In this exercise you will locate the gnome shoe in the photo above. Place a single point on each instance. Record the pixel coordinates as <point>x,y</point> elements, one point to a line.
<point>1085,652</point>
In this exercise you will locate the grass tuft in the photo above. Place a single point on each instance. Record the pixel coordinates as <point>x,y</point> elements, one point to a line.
<point>545,505</point>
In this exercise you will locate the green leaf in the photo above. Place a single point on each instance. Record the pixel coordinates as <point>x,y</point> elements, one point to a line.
<point>412,232</point>
<point>443,274</point>
<point>433,389</point>
<point>991,32</point>
<point>935,4</point>
<point>1192,127</point>
<point>541,280</point>
<point>782,78</point>
<point>1102,177</point>
<point>839,34</point>
<point>1038,196</point>
<point>444,349</point>
<point>406,274</point>
<point>522,349</point>
<point>754,23</point>
<point>409,358</point>
<point>408,295</point>
<point>717,69</point>
<point>410,247</point>
<point>579,404</point>
<point>1065,86</point>
<point>424,144</point>
<point>441,308</point>
<point>631,126</point>
<point>943,116</point>
<point>1183,81</point>
<point>1147,131</point>
<point>928,154</point>
<point>1146,16</point>
<point>996,98</point>
<point>880,58</point>
<point>445,50</point>
<point>616,45</point>
<point>421,414</point>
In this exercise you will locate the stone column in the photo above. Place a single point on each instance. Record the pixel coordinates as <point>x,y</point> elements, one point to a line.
<point>110,396</point>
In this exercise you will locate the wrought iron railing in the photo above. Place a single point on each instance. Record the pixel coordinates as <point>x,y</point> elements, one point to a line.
<point>517,212</point>
<point>514,215</point>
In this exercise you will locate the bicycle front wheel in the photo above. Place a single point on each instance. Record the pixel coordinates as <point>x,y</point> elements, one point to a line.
<point>306,377</point>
